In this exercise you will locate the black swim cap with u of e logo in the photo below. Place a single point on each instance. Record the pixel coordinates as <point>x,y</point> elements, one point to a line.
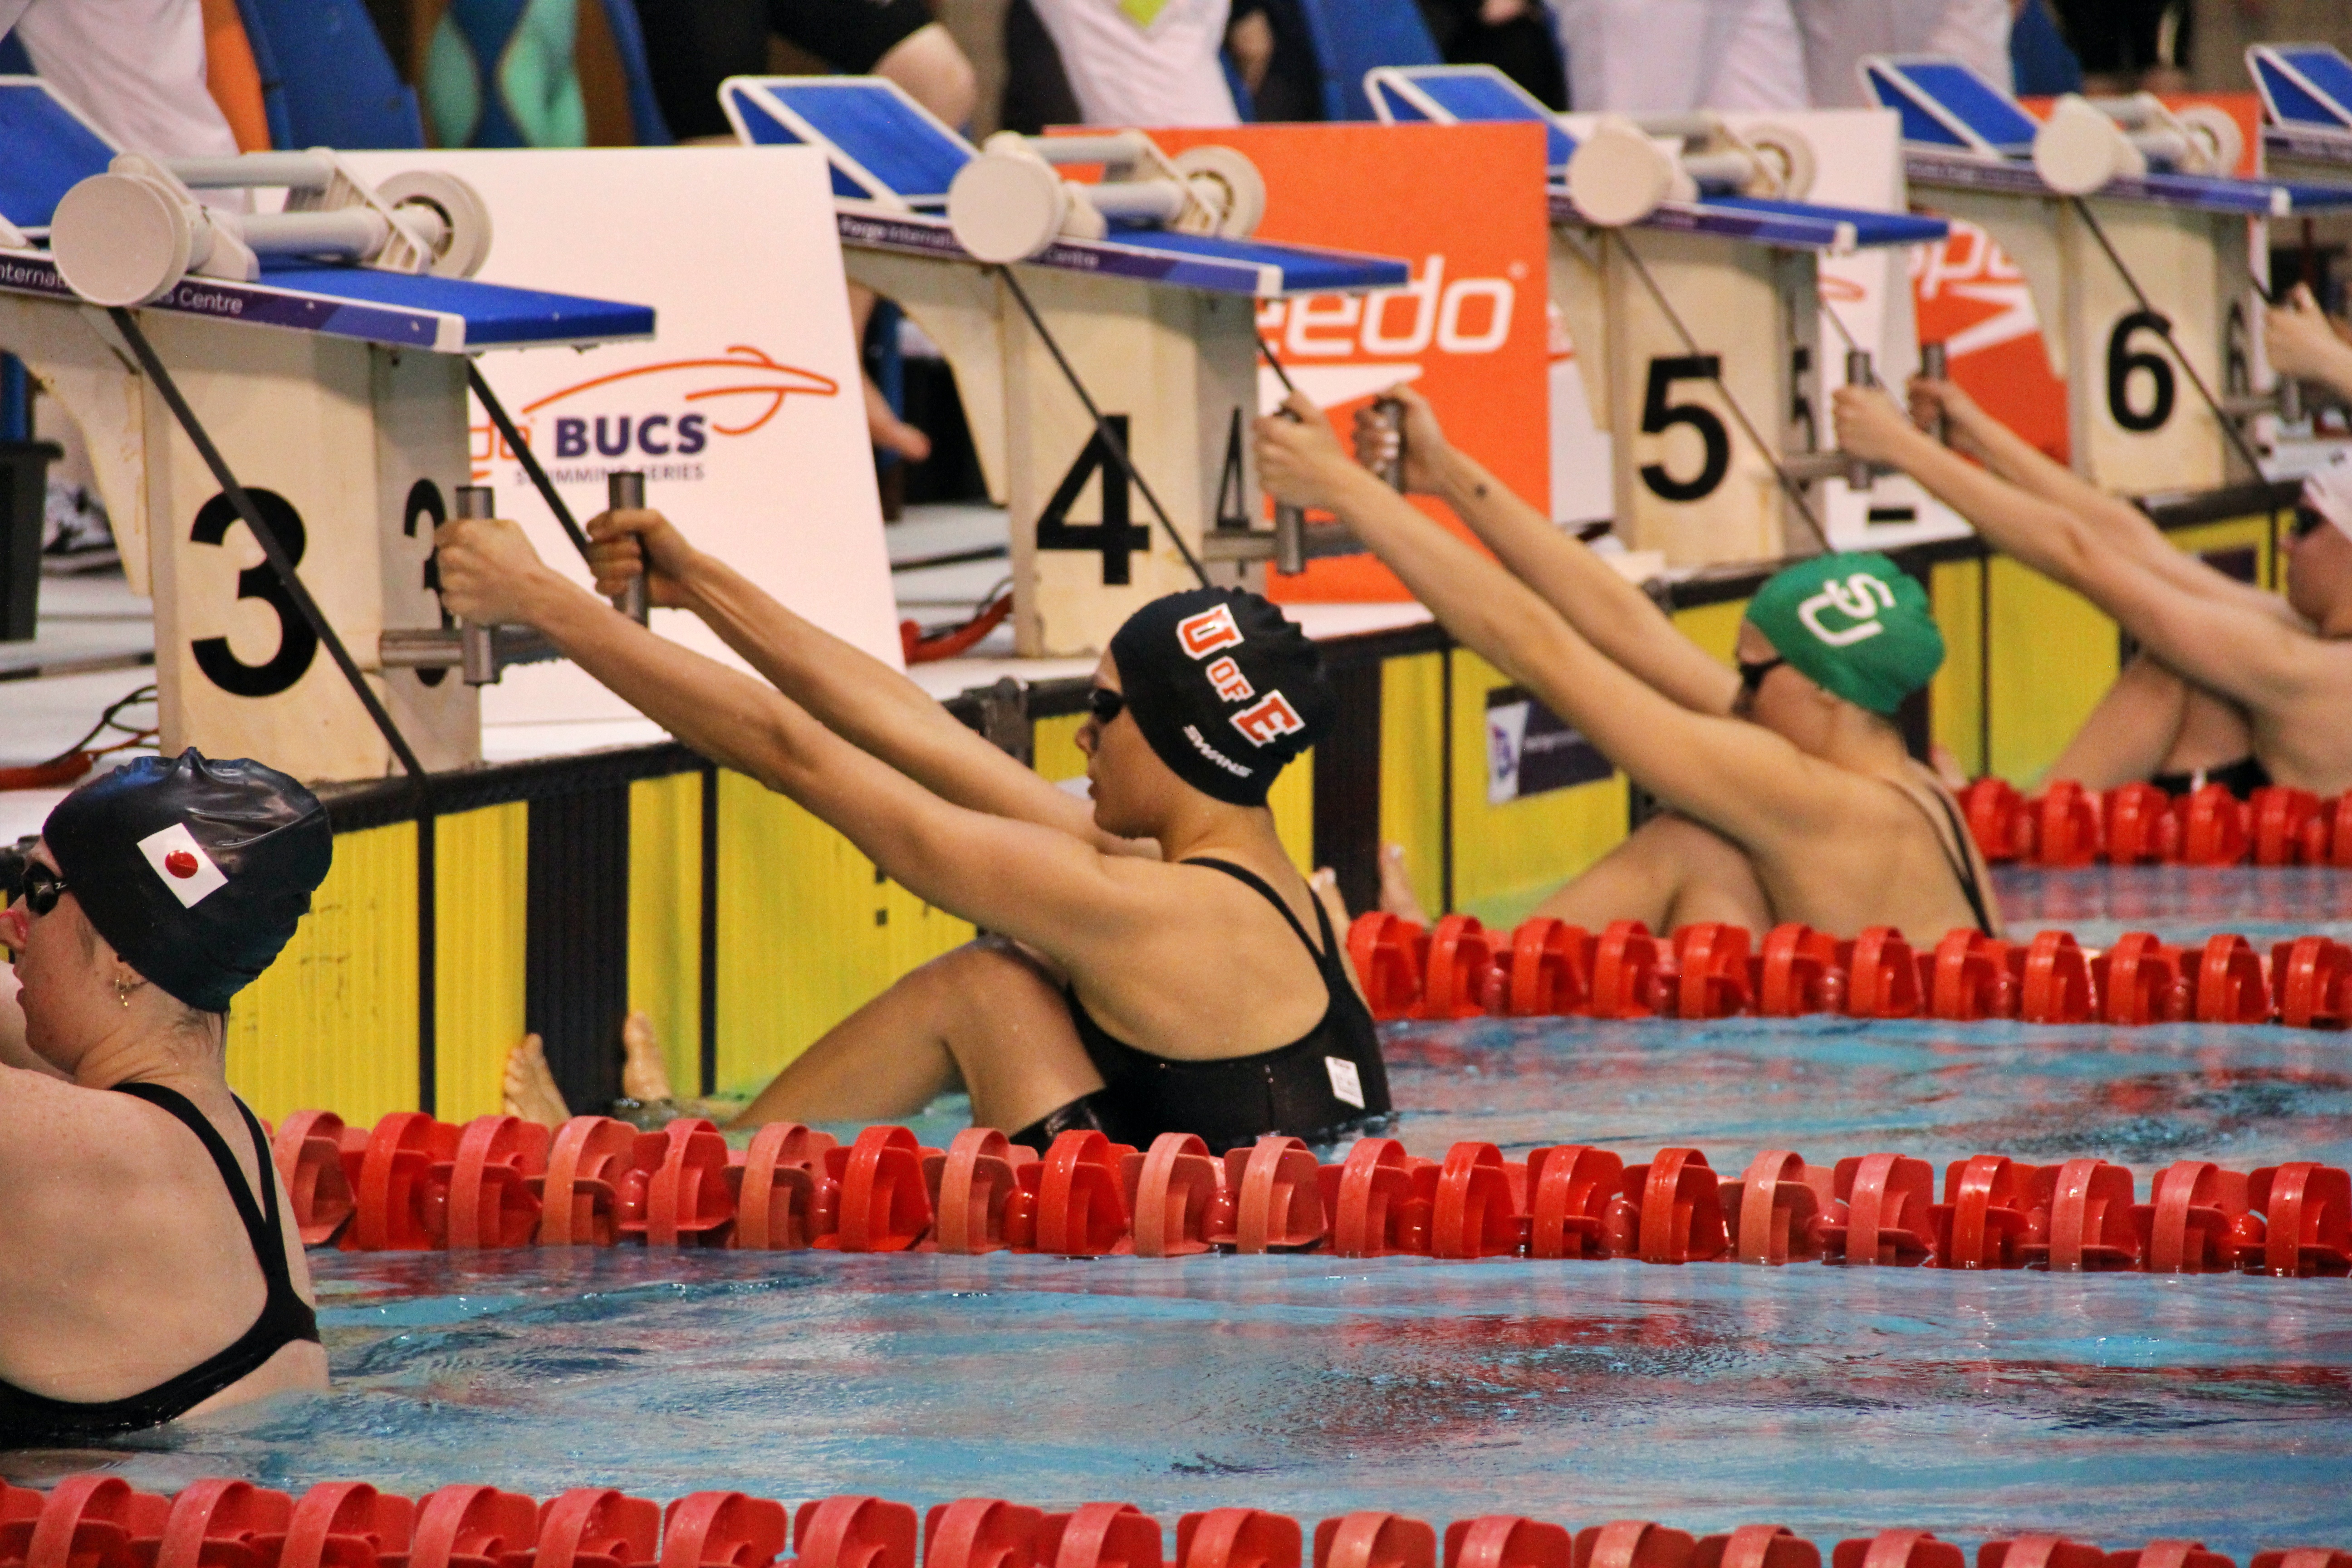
<point>1224,686</point>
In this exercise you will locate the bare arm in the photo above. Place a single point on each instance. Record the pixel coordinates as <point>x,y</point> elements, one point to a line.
<point>1738,778</point>
<point>1609,612</point>
<point>2116,522</point>
<point>852,693</point>
<point>2221,643</point>
<point>1026,880</point>
<point>2304,343</point>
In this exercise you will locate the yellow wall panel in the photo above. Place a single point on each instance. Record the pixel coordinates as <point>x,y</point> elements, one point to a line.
<point>2053,656</point>
<point>1055,744</point>
<point>1955,700</point>
<point>1413,705</point>
<point>481,911</point>
<point>1715,628</point>
<point>2233,533</point>
<point>1508,857</point>
<point>331,1025</point>
<point>1292,801</point>
<point>666,918</point>
<point>808,931</point>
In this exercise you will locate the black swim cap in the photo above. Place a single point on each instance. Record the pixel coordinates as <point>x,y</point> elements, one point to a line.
<point>1224,686</point>
<point>197,871</point>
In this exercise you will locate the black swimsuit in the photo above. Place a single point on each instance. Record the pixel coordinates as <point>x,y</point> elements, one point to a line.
<point>30,1420</point>
<point>2241,778</point>
<point>1956,856</point>
<point>1319,1087</point>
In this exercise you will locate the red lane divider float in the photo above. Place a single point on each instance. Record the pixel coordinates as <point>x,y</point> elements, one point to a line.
<point>2138,824</point>
<point>1547,969</point>
<point>100,1521</point>
<point>598,1183</point>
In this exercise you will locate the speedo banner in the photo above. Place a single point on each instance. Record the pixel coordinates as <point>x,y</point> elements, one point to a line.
<point>1468,332</point>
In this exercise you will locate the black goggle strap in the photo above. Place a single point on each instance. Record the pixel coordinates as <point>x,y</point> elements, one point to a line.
<point>1753,671</point>
<point>1103,703</point>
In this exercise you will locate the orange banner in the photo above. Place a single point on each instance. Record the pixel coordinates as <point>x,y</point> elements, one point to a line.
<point>1465,204</point>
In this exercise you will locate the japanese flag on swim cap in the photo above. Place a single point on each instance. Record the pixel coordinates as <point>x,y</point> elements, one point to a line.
<point>197,871</point>
<point>1855,625</point>
<point>1224,686</point>
<point>2328,492</point>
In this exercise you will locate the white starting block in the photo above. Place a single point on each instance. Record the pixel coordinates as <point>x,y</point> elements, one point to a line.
<point>1700,344</point>
<point>1158,323</point>
<point>2138,249</point>
<point>346,426</point>
<point>2306,92</point>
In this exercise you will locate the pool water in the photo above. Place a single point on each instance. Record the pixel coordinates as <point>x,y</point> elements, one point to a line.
<point>1836,1401</point>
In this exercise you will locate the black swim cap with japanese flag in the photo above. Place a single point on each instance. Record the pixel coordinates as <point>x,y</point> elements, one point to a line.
<point>197,871</point>
<point>1224,686</point>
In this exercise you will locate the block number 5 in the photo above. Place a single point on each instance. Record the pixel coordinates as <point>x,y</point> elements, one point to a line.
<point>1658,416</point>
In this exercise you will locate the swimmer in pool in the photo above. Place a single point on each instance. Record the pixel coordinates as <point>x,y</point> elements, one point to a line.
<point>1155,963</point>
<point>1792,796</point>
<point>2233,685</point>
<point>149,1275</point>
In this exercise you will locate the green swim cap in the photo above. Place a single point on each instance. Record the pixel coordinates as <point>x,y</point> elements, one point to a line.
<point>1855,625</point>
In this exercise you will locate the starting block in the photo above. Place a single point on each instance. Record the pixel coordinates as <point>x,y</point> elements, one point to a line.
<point>2133,236</point>
<point>2306,92</point>
<point>346,426</point>
<point>1700,343</point>
<point>1142,288</point>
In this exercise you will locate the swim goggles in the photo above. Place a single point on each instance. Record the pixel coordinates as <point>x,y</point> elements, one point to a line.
<point>43,887</point>
<point>1752,672</point>
<point>1104,704</point>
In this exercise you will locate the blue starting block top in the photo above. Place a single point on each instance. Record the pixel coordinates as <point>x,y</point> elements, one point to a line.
<point>892,161</point>
<point>1962,131</point>
<point>50,148</point>
<point>1465,95</point>
<point>2307,94</point>
<point>1460,95</point>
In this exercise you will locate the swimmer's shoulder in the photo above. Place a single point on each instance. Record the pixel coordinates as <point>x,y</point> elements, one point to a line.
<point>55,1132</point>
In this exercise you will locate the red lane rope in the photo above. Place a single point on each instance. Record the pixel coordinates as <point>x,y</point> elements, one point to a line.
<point>415,1184</point>
<point>98,1521</point>
<point>2138,824</point>
<point>1547,968</point>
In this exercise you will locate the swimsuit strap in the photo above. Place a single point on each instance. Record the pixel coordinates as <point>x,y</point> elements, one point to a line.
<point>1251,880</point>
<point>261,1228</point>
<point>1963,869</point>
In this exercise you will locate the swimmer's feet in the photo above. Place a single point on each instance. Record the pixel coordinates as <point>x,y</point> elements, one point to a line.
<point>645,1075</point>
<point>530,1092</point>
<point>1397,897</point>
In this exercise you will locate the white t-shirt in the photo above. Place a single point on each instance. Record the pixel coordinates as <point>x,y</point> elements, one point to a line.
<point>1143,62</point>
<point>134,68</point>
<point>1668,57</point>
<point>1838,33</point>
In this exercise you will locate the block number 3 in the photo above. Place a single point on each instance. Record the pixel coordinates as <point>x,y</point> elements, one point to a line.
<point>297,645</point>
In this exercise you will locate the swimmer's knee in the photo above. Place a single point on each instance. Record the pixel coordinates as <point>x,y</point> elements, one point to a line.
<point>987,964</point>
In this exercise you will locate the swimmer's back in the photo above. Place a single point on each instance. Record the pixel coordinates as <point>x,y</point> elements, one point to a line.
<point>122,1235</point>
<point>1212,969</point>
<point>1898,854</point>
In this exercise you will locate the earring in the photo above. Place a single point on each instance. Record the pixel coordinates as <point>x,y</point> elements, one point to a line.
<point>122,993</point>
